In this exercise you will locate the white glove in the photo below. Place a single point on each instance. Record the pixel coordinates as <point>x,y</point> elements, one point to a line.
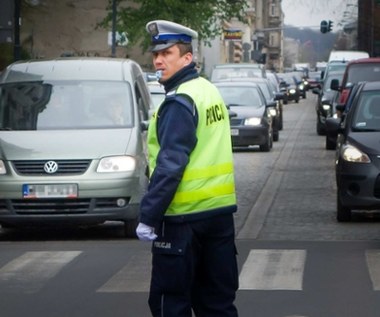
<point>145,233</point>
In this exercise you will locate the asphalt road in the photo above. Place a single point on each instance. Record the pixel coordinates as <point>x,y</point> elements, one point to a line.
<point>295,259</point>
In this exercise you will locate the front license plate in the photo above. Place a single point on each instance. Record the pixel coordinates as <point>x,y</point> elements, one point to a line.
<point>50,190</point>
<point>234,132</point>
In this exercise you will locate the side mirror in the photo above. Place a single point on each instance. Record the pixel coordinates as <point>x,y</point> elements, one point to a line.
<point>340,107</point>
<point>272,104</point>
<point>333,126</point>
<point>279,96</point>
<point>144,125</point>
<point>316,91</point>
<point>335,85</point>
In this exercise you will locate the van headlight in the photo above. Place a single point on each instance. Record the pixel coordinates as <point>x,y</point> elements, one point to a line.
<point>292,91</point>
<point>2,168</point>
<point>114,164</point>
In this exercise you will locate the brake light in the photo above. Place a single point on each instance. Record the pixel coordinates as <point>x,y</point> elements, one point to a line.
<point>344,96</point>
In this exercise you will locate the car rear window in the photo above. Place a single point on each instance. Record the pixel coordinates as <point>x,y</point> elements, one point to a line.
<point>236,72</point>
<point>363,72</point>
<point>241,96</point>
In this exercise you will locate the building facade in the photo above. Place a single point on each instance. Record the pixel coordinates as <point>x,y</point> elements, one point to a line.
<point>50,29</point>
<point>369,27</point>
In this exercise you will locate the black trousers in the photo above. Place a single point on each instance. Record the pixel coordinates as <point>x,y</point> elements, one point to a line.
<point>195,269</point>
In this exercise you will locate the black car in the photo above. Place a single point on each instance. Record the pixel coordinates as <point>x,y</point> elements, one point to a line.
<point>357,155</point>
<point>300,79</point>
<point>252,121</point>
<point>272,97</point>
<point>289,87</point>
<point>324,107</point>
<point>338,117</point>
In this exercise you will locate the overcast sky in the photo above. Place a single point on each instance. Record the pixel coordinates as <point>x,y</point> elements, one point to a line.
<point>309,13</point>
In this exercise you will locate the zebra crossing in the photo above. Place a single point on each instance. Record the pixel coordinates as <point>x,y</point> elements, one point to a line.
<point>262,269</point>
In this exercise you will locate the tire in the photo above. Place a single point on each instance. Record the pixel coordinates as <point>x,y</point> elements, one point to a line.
<point>330,145</point>
<point>276,135</point>
<point>130,228</point>
<point>269,143</point>
<point>343,213</point>
<point>319,127</point>
<point>297,100</point>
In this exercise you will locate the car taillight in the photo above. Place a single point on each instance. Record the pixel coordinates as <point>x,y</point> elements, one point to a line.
<point>344,96</point>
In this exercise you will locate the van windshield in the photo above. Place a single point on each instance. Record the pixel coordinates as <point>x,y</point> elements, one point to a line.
<point>65,105</point>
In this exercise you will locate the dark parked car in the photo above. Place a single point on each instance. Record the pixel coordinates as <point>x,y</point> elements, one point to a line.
<point>357,156</point>
<point>252,124</point>
<point>324,107</point>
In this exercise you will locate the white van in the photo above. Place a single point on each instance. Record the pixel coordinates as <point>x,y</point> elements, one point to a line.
<point>347,56</point>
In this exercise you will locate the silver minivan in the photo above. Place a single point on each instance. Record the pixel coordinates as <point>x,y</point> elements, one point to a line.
<point>72,142</point>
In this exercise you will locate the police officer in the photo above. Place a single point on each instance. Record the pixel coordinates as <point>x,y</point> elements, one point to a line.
<point>188,209</point>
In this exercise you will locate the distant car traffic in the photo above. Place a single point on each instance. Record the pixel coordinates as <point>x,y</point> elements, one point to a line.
<point>252,123</point>
<point>314,79</point>
<point>289,86</point>
<point>72,149</point>
<point>357,156</point>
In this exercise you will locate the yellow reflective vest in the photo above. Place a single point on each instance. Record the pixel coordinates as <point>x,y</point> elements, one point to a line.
<point>208,180</point>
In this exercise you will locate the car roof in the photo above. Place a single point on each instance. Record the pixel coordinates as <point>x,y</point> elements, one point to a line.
<point>71,68</point>
<point>364,61</point>
<point>371,85</point>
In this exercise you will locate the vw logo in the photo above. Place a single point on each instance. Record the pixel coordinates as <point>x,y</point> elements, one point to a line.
<point>50,167</point>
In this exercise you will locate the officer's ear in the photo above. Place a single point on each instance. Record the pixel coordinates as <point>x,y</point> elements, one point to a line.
<point>188,58</point>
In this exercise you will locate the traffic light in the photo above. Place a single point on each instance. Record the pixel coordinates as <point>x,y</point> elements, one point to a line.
<point>329,28</point>
<point>324,26</point>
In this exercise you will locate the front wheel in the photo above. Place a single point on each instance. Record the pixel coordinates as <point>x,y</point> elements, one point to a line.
<point>268,144</point>
<point>130,228</point>
<point>343,213</point>
<point>330,145</point>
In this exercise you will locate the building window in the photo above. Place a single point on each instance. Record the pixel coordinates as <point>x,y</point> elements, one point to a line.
<point>272,8</point>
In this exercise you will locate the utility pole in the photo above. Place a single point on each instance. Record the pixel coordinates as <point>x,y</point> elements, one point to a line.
<point>113,47</point>
<point>17,22</point>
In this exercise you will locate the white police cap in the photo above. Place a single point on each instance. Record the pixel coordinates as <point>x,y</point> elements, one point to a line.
<point>166,33</point>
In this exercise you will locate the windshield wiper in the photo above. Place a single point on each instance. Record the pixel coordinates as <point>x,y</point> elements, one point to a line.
<point>6,129</point>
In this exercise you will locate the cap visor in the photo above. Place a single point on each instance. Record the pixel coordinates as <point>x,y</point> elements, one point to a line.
<point>160,47</point>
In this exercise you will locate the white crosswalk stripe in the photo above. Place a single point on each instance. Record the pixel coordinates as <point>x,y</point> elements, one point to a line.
<point>133,277</point>
<point>273,270</point>
<point>263,269</point>
<point>373,264</point>
<point>30,271</point>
